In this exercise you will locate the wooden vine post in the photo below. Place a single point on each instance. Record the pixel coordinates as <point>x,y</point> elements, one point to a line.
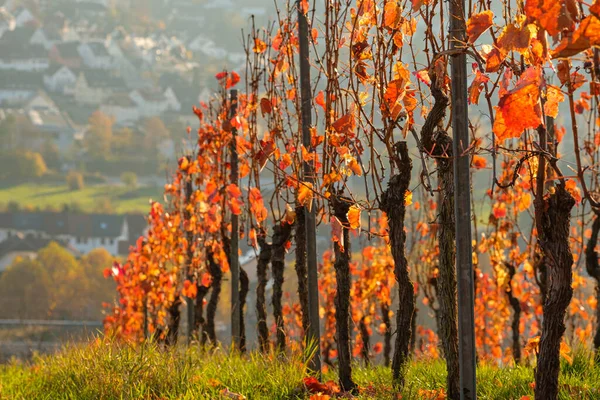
<point>233,256</point>
<point>462,203</point>
<point>313,335</point>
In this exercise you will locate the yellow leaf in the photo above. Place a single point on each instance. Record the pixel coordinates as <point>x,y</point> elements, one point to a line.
<point>408,198</point>
<point>353,216</point>
<point>305,194</point>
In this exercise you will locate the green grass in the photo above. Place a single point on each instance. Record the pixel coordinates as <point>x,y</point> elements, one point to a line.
<point>104,370</point>
<point>89,199</point>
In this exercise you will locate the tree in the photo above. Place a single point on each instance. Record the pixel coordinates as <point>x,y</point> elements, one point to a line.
<point>26,290</point>
<point>23,165</point>
<point>99,136</point>
<point>155,132</point>
<point>69,282</point>
<point>129,179</point>
<point>101,290</point>
<point>75,180</point>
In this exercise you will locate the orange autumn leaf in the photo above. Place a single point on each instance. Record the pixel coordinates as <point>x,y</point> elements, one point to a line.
<point>320,99</point>
<point>392,14</point>
<point>304,6</point>
<point>554,97</point>
<point>189,289</point>
<point>234,191</point>
<point>571,186</point>
<point>253,238</point>
<point>519,108</point>
<point>516,38</point>
<point>259,46</point>
<point>257,206</point>
<point>476,86</point>
<point>354,165</point>
<point>320,396</point>
<point>493,58</point>
<point>344,124</point>
<point>235,206</point>
<point>585,36</point>
<point>478,24</point>
<point>305,194</point>
<point>353,216</point>
<point>552,15</point>
<point>478,162</point>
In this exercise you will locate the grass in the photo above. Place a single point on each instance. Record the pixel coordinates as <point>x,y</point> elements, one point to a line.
<point>104,370</point>
<point>89,199</point>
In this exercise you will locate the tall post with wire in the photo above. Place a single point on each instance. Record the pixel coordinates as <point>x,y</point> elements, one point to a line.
<point>462,203</point>
<point>234,243</point>
<point>313,335</point>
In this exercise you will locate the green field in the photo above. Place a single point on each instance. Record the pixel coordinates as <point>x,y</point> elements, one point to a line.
<point>104,370</point>
<point>97,198</point>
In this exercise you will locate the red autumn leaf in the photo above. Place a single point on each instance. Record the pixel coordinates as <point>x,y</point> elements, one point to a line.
<point>476,86</point>
<point>266,107</point>
<point>228,80</point>
<point>479,23</point>
<point>198,112</point>
<point>499,210</point>
<point>377,348</point>
<point>267,148</point>
<point>423,76</point>
<point>232,80</point>
<point>313,385</point>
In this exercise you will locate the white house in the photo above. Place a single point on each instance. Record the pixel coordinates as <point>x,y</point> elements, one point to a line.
<point>10,96</point>
<point>207,47</point>
<point>30,58</point>
<point>122,109</point>
<point>95,86</point>
<point>46,38</point>
<point>23,16</point>
<point>40,101</point>
<point>95,55</point>
<point>24,247</point>
<point>151,103</point>
<point>82,232</point>
<point>60,79</point>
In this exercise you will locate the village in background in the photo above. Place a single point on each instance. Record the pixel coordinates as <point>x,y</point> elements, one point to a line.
<point>95,101</point>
